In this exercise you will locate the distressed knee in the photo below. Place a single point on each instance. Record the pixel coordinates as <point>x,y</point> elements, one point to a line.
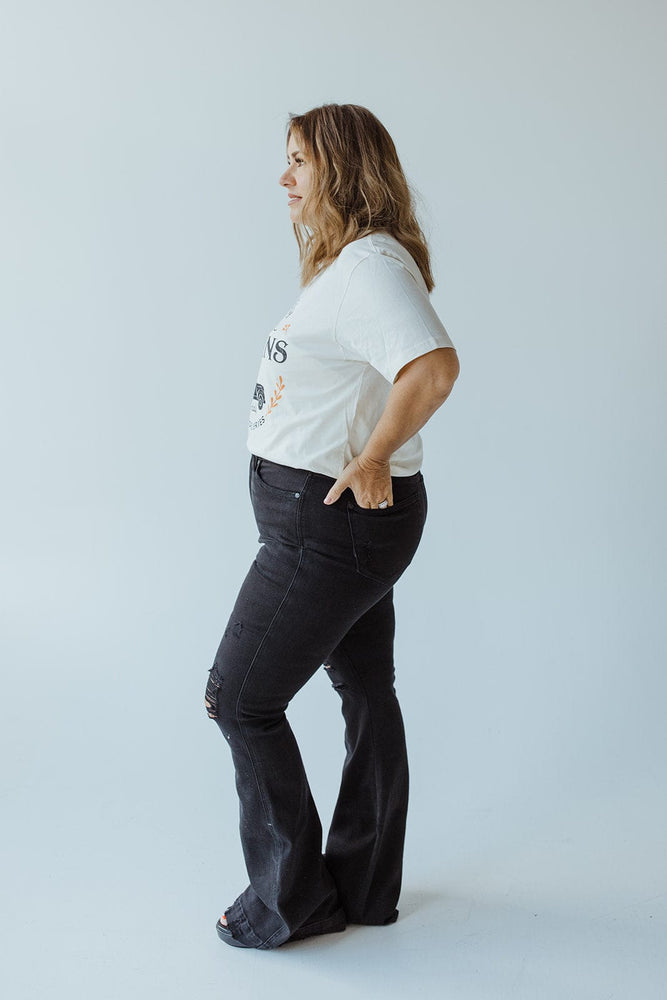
<point>213,685</point>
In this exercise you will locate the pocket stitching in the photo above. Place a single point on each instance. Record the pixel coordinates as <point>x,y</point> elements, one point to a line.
<point>278,490</point>
<point>356,542</point>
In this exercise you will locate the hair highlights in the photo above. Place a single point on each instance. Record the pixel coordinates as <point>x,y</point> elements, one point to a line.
<point>359,187</point>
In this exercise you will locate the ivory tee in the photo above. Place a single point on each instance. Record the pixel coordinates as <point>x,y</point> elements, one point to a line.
<point>329,364</point>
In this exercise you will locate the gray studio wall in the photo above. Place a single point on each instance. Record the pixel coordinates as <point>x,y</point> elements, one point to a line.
<point>147,253</point>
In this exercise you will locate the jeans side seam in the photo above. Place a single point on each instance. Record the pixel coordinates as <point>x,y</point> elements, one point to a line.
<point>299,508</point>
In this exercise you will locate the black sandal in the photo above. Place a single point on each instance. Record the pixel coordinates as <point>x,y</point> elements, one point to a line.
<point>331,925</point>
<point>225,934</point>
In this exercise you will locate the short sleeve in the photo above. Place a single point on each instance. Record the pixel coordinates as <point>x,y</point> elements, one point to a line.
<point>386,317</point>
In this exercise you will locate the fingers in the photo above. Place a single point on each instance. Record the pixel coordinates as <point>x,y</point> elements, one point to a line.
<point>382,503</point>
<point>334,492</point>
<point>369,488</point>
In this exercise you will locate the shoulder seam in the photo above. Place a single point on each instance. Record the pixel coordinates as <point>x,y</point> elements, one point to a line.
<point>342,298</point>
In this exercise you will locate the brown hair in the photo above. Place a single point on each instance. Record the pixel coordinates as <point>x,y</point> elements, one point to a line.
<point>358,188</point>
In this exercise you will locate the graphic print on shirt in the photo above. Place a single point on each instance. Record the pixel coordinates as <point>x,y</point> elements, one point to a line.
<point>276,395</point>
<point>274,350</point>
<point>327,368</point>
<point>259,397</point>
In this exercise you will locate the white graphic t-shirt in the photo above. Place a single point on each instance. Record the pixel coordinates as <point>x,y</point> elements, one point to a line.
<point>330,362</point>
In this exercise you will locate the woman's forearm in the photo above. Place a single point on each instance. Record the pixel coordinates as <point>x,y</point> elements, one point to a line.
<point>419,390</point>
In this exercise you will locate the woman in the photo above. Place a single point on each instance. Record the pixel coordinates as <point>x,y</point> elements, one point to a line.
<point>347,379</point>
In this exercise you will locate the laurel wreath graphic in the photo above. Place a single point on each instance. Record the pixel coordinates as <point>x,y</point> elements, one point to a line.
<point>276,395</point>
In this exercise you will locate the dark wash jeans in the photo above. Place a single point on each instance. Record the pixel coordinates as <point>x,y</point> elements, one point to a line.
<point>319,592</point>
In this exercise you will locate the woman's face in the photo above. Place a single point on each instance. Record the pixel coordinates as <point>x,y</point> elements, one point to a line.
<point>298,177</point>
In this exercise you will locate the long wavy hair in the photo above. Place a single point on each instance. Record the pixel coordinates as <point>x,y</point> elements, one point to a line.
<point>358,188</point>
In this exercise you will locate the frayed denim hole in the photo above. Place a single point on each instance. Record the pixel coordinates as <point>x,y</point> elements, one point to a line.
<point>336,684</point>
<point>213,685</point>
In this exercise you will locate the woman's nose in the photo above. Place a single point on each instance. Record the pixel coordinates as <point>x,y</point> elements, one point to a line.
<point>286,179</point>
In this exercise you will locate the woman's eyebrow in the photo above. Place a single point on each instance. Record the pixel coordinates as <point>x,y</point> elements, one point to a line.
<point>295,152</point>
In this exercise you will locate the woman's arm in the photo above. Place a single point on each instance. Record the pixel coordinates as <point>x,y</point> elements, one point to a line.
<point>419,389</point>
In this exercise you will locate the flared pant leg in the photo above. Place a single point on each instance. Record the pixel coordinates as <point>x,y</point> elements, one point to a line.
<point>297,609</point>
<point>364,849</point>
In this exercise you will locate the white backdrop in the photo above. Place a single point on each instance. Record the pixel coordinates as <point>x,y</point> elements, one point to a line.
<point>146,254</point>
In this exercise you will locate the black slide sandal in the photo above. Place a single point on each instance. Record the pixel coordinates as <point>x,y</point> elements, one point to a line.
<point>226,935</point>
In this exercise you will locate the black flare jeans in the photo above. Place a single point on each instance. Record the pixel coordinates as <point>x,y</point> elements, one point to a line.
<point>318,593</point>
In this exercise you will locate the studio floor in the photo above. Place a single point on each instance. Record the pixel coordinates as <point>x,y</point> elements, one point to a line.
<point>108,903</point>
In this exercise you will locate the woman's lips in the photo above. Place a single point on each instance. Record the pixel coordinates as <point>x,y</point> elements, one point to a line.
<point>293,198</point>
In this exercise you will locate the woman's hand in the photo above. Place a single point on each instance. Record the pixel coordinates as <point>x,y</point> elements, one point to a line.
<point>420,387</point>
<point>369,480</point>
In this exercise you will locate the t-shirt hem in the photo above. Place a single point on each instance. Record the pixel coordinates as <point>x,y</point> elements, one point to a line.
<point>412,353</point>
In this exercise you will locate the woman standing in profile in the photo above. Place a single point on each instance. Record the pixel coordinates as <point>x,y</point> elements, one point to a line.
<point>347,379</point>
